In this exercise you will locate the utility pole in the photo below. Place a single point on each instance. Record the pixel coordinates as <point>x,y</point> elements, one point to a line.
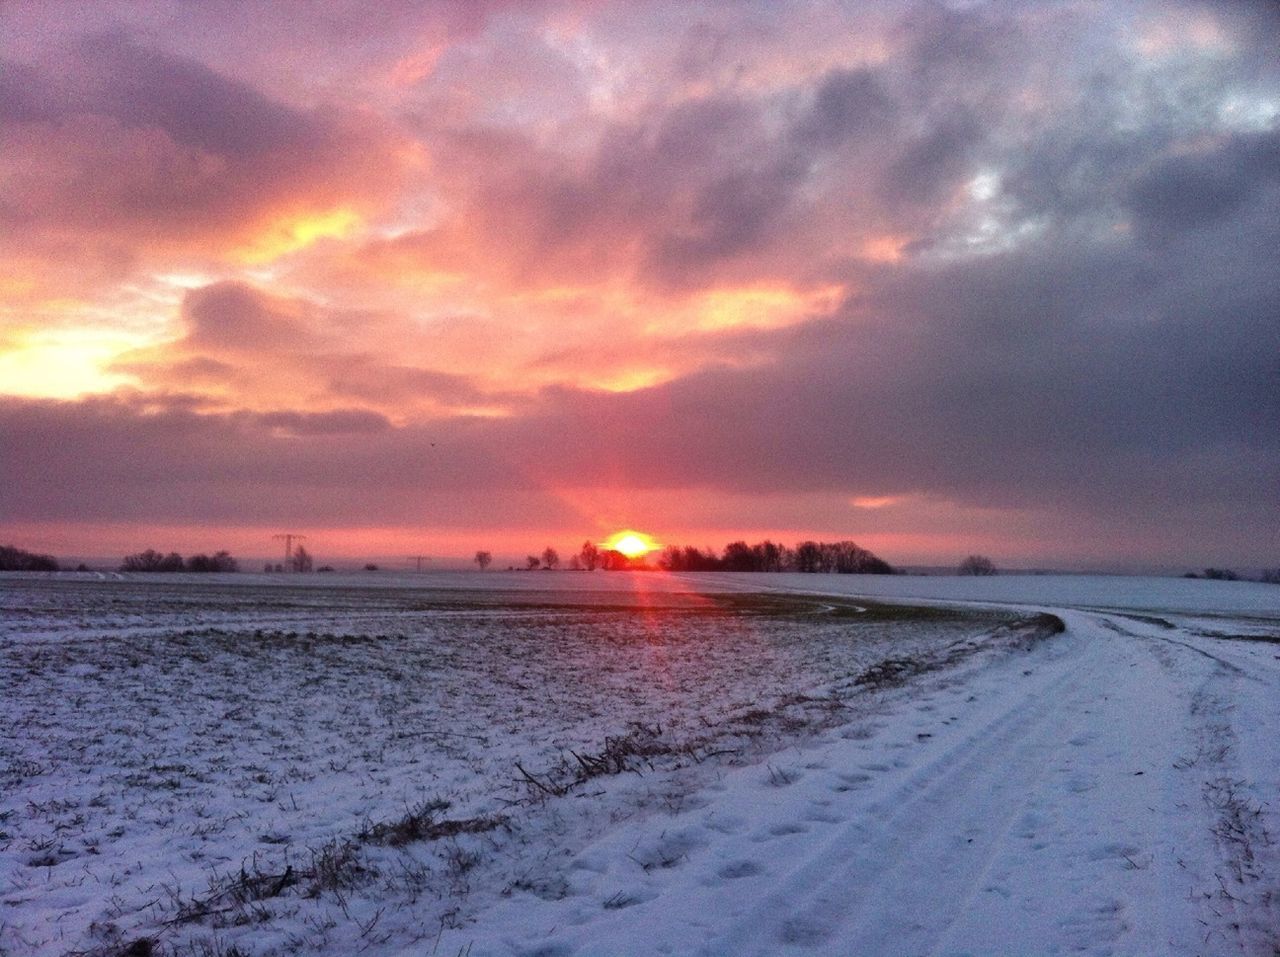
<point>419,559</point>
<point>288,538</point>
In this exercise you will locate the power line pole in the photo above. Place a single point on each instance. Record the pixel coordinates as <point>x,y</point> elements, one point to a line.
<point>288,538</point>
<point>419,559</point>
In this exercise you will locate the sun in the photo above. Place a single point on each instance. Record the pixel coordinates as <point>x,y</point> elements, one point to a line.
<point>631,544</point>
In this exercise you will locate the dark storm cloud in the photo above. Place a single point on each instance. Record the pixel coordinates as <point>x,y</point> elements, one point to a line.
<point>1185,191</point>
<point>155,461</point>
<point>846,104</point>
<point>933,163</point>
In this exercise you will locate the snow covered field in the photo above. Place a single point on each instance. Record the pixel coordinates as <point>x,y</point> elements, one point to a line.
<point>559,764</point>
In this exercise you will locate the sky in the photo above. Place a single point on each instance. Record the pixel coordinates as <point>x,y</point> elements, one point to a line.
<point>428,277</point>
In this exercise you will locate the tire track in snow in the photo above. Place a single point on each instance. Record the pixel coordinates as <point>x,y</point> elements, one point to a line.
<point>920,840</point>
<point>1238,901</point>
<point>1057,823</point>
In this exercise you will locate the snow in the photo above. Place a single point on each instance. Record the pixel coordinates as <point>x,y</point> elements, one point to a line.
<point>1106,592</point>
<point>222,762</point>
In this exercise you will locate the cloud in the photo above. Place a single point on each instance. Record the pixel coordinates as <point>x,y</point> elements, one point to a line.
<point>244,347</point>
<point>1189,190</point>
<point>847,104</point>
<point>1011,379</point>
<point>234,316</point>
<point>337,422</point>
<point>117,144</point>
<point>1010,258</point>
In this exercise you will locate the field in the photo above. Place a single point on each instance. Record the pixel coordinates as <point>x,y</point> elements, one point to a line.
<point>559,764</point>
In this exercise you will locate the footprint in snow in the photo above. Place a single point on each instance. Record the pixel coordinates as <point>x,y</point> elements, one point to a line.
<point>549,950</point>
<point>740,869</point>
<point>725,825</point>
<point>780,830</point>
<point>1114,850</point>
<point>1096,926</point>
<point>669,850</point>
<point>1079,783</point>
<point>805,931</point>
<point>821,816</point>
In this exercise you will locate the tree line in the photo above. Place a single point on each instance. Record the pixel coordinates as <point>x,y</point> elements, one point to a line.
<point>843,557</point>
<point>16,560</point>
<point>154,561</point>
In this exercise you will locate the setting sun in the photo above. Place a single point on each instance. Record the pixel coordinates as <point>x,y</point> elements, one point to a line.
<point>631,544</point>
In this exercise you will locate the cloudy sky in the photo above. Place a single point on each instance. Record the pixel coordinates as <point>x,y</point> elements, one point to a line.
<point>432,276</point>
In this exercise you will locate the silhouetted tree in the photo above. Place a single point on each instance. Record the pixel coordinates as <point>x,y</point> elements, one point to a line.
<point>483,559</point>
<point>152,561</point>
<point>590,556</point>
<point>550,558</point>
<point>218,562</point>
<point>769,556</point>
<point>1221,574</point>
<point>532,562</point>
<point>849,559</point>
<point>976,565</point>
<point>688,559</point>
<point>1271,576</point>
<point>808,557</point>
<point>844,557</point>
<point>701,561</point>
<point>738,557</point>
<point>671,559</point>
<point>16,560</point>
<point>301,560</point>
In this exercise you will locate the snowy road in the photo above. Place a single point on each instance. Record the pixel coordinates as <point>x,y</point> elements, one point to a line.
<point>1106,794</point>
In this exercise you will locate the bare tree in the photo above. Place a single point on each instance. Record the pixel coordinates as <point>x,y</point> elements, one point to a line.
<point>1221,574</point>
<point>550,558</point>
<point>218,562</point>
<point>532,562</point>
<point>16,560</point>
<point>152,561</point>
<point>301,560</point>
<point>483,559</point>
<point>976,565</point>
<point>590,556</point>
